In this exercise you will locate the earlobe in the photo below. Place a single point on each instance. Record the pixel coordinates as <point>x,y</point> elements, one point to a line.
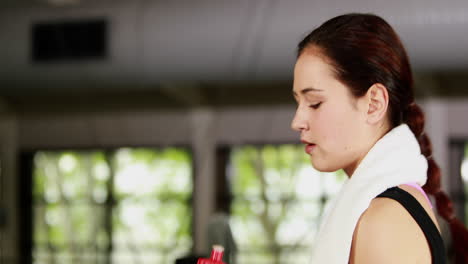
<point>377,103</point>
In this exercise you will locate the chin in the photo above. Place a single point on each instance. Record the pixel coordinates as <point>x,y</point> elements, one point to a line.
<point>324,166</point>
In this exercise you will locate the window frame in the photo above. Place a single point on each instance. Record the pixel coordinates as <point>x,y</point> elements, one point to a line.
<point>26,200</point>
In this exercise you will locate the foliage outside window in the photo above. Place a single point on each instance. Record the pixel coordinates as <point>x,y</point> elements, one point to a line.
<point>131,205</point>
<point>278,200</point>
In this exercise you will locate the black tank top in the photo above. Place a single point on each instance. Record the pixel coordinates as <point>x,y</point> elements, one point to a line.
<point>424,221</point>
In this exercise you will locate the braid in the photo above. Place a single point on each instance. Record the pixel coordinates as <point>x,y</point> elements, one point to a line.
<point>415,120</point>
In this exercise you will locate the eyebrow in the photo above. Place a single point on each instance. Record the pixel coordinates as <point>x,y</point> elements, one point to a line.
<point>306,90</point>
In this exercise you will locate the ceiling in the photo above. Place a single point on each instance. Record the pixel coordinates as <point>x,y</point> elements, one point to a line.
<point>185,53</point>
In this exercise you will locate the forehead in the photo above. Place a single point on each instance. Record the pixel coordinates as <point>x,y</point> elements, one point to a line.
<point>312,70</point>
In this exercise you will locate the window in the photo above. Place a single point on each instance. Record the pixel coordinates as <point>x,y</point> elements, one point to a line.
<point>464,174</point>
<point>458,177</point>
<point>131,205</point>
<point>277,202</point>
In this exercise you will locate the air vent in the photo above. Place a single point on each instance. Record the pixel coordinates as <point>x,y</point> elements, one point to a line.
<point>69,40</point>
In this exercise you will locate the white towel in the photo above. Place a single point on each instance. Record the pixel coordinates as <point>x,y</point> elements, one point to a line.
<point>395,159</point>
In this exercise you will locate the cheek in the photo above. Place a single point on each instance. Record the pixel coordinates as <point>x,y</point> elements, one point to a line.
<point>337,130</point>
<point>335,133</point>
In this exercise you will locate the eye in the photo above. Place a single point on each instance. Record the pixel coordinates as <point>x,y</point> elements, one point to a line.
<point>315,106</point>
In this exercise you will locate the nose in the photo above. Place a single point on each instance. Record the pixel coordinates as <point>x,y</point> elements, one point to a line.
<point>299,122</point>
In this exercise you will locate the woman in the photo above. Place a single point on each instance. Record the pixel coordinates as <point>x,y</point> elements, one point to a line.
<point>356,111</point>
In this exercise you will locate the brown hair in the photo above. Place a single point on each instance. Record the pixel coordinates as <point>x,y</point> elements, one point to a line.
<point>363,50</point>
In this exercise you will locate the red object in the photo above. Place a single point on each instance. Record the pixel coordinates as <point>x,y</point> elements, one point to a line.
<point>215,258</point>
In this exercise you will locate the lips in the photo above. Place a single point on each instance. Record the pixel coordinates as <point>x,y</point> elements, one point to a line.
<point>309,147</point>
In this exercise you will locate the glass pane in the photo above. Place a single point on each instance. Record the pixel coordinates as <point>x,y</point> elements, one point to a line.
<point>126,206</point>
<point>152,221</point>
<point>278,198</point>
<point>68,222</point>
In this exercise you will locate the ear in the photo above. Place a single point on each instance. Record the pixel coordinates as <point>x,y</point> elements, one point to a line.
<point>377,98</point>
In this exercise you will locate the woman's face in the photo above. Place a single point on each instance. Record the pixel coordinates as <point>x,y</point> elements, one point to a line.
<point>330,120</point>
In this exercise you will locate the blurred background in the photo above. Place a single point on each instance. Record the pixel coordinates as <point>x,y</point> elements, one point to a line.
<point>125,125</point>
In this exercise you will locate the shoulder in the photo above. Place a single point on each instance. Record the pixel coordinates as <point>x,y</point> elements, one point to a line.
<point>386,233</point>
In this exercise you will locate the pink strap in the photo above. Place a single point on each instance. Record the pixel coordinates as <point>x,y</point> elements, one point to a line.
<point>415,185</point>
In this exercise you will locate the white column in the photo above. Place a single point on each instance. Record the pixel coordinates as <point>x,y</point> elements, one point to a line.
<point>437,127</point>
<point>203,144</point>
